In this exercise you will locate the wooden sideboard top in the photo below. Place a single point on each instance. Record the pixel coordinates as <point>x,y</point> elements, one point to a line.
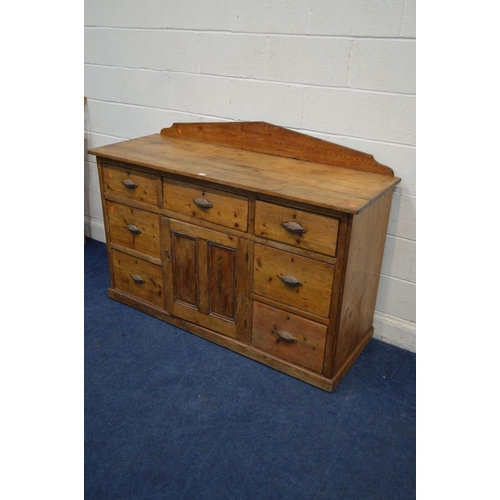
<point>262,158</point>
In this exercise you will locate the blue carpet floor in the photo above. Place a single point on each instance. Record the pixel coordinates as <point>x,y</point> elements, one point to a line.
<point>169,415</point>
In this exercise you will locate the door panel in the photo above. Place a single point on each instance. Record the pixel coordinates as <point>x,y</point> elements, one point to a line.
<point>205,277</point>
<point>222,281</point>
<point>185,265</point>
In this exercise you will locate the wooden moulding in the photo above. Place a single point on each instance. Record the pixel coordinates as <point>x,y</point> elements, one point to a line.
<point>264,137</point>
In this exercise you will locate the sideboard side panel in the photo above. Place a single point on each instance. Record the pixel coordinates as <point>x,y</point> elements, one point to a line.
<point>105,219</point>
<point>362,275</point>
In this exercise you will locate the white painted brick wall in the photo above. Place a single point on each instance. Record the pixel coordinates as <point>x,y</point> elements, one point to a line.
<point>264,16</point>
<point>165,50</point>
<point>311,60</point>
<point>340,70</point>
<point>113,47</point>
<point>408,26</point>
<point>348,112</point>
<point>369,18</point>
<point>272,102</point>
<point>198,15</point>
<point>372,65</point>
<point>228,54</point>
<point>143,87</point>
<point>126,13</point>
<point>208,95</point>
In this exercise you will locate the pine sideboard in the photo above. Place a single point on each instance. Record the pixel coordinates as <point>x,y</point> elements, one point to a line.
<point>263,240</point>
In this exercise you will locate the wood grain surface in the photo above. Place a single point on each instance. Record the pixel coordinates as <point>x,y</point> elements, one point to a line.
<point>320,232</point>
<point>329,186</point>
<point>309,346</point>
<point>267,138</point>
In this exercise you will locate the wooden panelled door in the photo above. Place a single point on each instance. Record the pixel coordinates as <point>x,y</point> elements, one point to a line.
<point>205,276</point>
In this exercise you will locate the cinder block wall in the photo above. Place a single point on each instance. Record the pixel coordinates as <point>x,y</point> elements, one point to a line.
<point>341,70</point>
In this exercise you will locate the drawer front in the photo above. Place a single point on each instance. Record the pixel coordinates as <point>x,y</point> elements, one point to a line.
<point>219,207</point>
<point>131,183</point>
<point>296,227</point>
<point>292,279</point>
<point>134,228</point>
<point>288,336</point>
<point>138,278</point>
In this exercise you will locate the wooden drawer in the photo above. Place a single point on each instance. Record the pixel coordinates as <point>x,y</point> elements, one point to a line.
<point>292,279</point>
<point>138,278</point>
<point>296,227</point>
<point>288,336</point>
<point>130,183</point>
<point>134,228</point>
<point>222,208</point>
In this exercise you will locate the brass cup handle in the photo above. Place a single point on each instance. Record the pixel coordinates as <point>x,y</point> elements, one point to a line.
<point>137,279</point>
<point>287,337</point>
<point>293,227</point>
<point>290,281</point>
<point>202,203</point>
<point>133,229</point>
<point>129,184</point>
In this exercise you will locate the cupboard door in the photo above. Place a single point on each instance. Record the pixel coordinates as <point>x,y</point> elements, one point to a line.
<point>206,273</point>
